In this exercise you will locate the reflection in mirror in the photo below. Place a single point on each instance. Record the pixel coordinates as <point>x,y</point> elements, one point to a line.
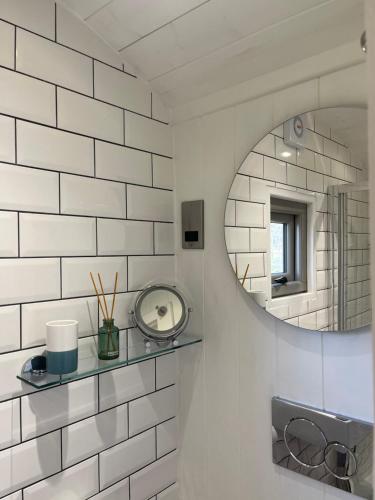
<point>161,310</point>
<point>297,221</point>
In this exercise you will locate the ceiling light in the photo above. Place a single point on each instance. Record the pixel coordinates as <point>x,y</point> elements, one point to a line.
<point>286,154</point>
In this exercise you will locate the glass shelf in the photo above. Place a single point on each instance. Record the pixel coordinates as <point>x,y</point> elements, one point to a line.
<point>89,364</point>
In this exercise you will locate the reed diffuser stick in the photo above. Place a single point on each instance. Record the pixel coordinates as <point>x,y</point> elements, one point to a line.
<point>97,294</point>
<point>114,295</point>
<point>105,302</point>
<point>245,276</point>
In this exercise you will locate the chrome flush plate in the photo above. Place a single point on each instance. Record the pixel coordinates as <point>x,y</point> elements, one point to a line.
<point>330,448</point>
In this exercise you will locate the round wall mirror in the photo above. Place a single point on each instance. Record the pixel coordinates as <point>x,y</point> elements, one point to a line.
<point>161,312</point>
<point>297,221</point>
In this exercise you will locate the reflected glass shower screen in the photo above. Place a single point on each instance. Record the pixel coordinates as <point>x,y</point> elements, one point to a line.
<point>348,244</point>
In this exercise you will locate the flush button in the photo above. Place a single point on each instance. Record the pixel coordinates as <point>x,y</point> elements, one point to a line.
<point>340,461</point>
<point>305,442</point>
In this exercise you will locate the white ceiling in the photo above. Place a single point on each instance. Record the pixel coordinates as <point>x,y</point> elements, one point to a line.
<point>190,48</point>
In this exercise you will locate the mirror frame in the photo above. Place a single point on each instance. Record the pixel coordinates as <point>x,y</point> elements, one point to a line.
<point>151,333</point>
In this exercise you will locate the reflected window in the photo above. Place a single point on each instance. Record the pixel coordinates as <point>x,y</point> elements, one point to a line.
<point>278,247</point>
<point>288,247</point>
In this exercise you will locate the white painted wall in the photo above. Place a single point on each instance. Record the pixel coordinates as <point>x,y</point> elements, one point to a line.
<point>248,357</point>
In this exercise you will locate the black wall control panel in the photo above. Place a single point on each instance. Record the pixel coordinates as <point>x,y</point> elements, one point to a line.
<point>192,224</point>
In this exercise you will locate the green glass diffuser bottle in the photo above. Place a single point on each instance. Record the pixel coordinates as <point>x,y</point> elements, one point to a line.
<point>108,334</point>
<point>108,341</point>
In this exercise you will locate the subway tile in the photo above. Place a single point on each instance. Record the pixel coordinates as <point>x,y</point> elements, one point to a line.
<point>249,214</point>
<point>154,478</point>
<point>314,141</point>
<point>149,204</point>
<point>164,238</point>
<point>53,149</point>
<point>266,146</point>
<point>25,97</point>
<point>7,45</point>
<point>10,430</point>
<point>274,170</point>
<point>143,270</point>
<point>285,152</point>
<point>322,319</point>
<point>14,496</point>
<point>52,235</point>
<point>259,240</point>
<point>35,316</point>
<point>80,481</point>
<point>122,164</point>
<point>330,148</point>
<point>86,438</point>
<point>47,410</point>
<point>9,234</point>
<point>321,127</point>
<point>54,63</point>
<point>34,15</point>
<point>152,409</point>
<point>166,437</point>
<point>10,323</point>
<point>10,364</point>
<point>149,135</point>
<point>322,164</point>
<point>29,462</point>
<point>314,181</point>
<point>279,311</point>
<point>163,173</point>
<point>252,165</point>
<point>166,370</point>
<point>170,493</point>
<point>7,139</point>
<point>126,458</point>
<point>237,239</point>
<point>84,196</point>
<point>87,116</point>
<point>230,213</point>
<point>240,188</point>
<point>256,265</point>
<point>76,280</point>
<point>29,280</point>
<point>306,158</point>
<point>338,169</point>
<point>260,190</point>
<point>123,305</point>
<point>123,90</point>
<point>124,384</point>
<point>28,189</point>
<point>72,32</point>
<point>119,237</point>
<point>119,491</point>
<point>296,176</point>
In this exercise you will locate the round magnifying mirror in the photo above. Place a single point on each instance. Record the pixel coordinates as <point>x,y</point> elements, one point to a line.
<point>161,312</point>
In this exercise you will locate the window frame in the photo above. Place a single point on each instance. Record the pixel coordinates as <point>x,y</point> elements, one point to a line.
<point>293,214</point>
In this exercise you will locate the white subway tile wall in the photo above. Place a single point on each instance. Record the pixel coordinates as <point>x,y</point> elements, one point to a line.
<point>325,161</point>
<point>7,45</point>
<point>78,194</point>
